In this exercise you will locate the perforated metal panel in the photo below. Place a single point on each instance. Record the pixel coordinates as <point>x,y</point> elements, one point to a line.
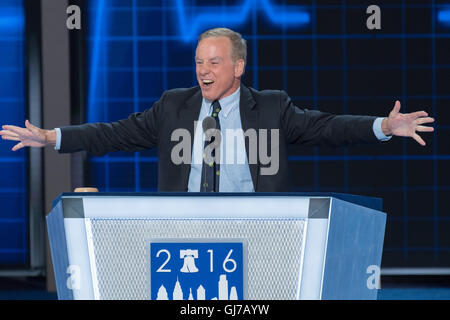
<point>122,259</point>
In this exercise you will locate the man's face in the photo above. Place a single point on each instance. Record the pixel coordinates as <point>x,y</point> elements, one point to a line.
<point>217,74</point>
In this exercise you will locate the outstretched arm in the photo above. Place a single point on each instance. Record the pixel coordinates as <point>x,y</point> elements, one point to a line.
<point>30,136</point>
<point>136,133</point>
<point>406,124</point>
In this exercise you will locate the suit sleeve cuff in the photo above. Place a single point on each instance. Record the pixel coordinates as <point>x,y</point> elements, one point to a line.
<point>378,131</point>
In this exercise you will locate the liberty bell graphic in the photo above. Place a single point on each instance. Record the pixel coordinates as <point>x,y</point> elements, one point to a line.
<point>189,262</point>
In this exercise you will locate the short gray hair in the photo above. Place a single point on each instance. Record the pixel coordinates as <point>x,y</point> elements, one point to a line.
<point>238,44</point>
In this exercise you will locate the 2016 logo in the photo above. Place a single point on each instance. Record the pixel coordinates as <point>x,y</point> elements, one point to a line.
<point>196,271</point>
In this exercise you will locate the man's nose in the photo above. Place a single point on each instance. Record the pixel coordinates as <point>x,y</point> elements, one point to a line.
<point>203,70</point>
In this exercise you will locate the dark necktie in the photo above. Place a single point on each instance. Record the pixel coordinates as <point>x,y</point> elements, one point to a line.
<point>211,170</point>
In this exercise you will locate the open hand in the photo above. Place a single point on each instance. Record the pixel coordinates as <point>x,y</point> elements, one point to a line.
<point>407,124</point>
<point>30,136</point>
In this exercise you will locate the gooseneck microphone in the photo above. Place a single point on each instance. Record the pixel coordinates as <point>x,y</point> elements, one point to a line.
<point>208,123</point>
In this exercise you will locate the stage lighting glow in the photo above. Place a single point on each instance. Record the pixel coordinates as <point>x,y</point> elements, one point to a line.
<point>11,20</point>
<point>236,15</point>
<point>444,17</point>
<point>99,24</point>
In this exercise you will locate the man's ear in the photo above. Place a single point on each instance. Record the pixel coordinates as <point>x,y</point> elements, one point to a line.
<point>239,68</point>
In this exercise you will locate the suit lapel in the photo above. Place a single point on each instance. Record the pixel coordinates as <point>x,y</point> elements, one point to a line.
<point>249,119</point>
<point>187,115</point>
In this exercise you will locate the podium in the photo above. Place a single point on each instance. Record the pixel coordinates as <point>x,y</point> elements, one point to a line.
<point>254,246</point>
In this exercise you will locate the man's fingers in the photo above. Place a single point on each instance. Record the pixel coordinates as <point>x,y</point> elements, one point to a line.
<point>33,129</point>
<point>8,133</point>
<point>424,129</point>
<point>419,114</point>
<point>16,130</point>
<point>397,107</point>
<point>18,146</point>
<point>424,120</point>
<point>10,138</point>
<point>419,139</point>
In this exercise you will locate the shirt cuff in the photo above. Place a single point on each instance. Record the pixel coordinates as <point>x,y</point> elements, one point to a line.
<point>378,131</point>
<point>58,139</point>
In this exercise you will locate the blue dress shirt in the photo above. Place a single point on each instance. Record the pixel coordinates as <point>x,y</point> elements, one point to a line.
<point>234,169</point>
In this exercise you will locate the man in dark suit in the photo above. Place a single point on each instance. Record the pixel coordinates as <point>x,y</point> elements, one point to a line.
<point>275,120</point>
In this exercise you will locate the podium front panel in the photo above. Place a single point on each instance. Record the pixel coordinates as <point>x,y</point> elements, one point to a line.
<point>100,243</point>
<point>273,251</point>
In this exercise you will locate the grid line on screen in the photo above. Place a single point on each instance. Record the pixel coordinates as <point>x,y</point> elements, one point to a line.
<point>433,99</point>
<point>332,63</point>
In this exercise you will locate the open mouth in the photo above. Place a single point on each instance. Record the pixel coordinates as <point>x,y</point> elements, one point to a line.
<point>207,82</point>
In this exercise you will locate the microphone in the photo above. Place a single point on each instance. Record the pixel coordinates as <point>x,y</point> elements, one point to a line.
<point>208,123</point>
<point>211,132</point>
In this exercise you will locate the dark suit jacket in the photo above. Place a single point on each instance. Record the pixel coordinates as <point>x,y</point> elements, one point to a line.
<point>179,108</point>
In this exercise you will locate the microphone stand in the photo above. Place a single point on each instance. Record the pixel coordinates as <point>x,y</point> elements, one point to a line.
<point>208,124</point>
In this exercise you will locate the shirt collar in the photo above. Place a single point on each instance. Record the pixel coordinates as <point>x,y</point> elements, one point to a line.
<point>228,103</point>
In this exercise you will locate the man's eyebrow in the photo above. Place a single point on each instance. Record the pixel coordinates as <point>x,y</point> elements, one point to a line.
<point>217,58</point>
